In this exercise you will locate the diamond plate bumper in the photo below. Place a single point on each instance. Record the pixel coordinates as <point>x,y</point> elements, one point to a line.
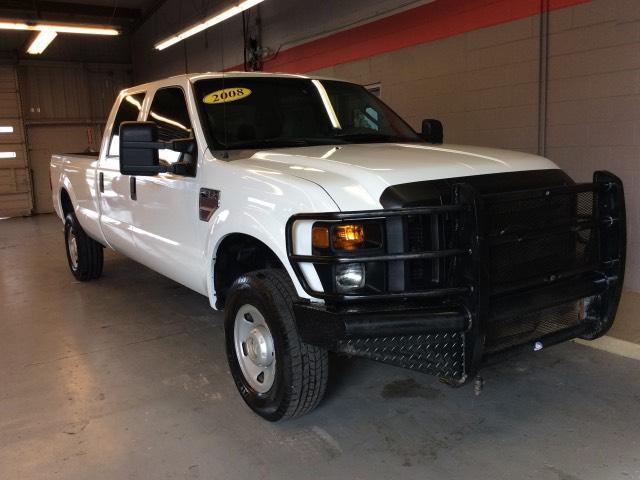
<point>429,340</point>
<point>440,354</point>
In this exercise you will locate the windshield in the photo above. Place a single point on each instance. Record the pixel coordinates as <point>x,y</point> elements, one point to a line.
<point>250,112</point>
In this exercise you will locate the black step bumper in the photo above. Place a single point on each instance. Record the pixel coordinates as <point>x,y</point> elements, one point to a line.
<point>320,326</point>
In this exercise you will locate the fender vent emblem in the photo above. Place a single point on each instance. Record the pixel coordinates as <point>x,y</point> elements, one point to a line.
<point>209,201</point>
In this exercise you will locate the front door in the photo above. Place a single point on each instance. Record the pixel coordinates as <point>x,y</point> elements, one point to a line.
<point>166,205</point>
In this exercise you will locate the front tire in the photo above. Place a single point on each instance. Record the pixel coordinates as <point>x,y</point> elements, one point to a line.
<point>84,254</point>
<point>277,375</point>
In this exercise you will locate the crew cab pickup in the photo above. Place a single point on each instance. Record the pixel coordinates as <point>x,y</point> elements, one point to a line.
<point>320,221</point>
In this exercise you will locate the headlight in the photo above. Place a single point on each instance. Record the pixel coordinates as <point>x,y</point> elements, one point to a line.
<point>345,240</point>
<point>349,276</point>
<point>347,236</point>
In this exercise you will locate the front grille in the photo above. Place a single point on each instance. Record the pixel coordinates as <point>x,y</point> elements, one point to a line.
<point>521,329</point>
<point>519,252</point>
<point>535,242</point>
<point>440,353</point>
<point>430,232</point>
<point>532,240</point>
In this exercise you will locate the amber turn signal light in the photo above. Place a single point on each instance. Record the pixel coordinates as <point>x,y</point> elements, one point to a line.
<point>320,237</point>
<point>348,237</point>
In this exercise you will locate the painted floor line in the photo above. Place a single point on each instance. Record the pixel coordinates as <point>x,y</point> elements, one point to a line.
<point>613,345</point>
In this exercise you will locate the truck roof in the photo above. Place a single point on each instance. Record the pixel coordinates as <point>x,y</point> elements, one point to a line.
<point>232,74</point>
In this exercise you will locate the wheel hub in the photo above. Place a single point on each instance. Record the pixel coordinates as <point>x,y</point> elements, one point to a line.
<point>254,348</point>
<point>73,249</point>
<point>260,346</point>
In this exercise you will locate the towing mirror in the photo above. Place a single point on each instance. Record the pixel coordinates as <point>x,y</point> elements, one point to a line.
<point>139,149</point>
<point>432,130</point>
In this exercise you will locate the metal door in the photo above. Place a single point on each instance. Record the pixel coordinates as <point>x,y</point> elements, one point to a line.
<point>15,190</point>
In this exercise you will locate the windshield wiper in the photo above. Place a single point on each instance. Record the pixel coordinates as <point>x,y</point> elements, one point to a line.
<point>373,137</point>
<point>286,142</point>
<point>270,142</point>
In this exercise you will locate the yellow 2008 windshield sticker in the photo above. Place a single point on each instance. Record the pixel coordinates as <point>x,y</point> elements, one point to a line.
<point>227,95</point>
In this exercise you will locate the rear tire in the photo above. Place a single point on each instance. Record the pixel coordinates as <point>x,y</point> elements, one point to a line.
<point>84,254</point>
<point>277,375</point>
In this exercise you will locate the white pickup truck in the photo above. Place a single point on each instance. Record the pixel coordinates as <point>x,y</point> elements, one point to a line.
<point>320,221</point>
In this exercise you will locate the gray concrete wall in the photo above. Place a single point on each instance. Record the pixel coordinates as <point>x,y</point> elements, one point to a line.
<point>593,118</point>
<point>483,85</point>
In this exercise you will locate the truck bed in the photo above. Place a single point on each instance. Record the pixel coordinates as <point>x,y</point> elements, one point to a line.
<point>79,170</point>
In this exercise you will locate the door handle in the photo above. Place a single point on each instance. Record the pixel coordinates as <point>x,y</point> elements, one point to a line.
<point>101,182</point>
<point>132,188</point>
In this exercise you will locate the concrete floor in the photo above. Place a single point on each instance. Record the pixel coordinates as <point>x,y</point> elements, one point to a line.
<point>126,378</point>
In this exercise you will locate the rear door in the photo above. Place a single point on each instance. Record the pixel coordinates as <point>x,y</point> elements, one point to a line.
<point>114,189</point>
<point>166,205</point>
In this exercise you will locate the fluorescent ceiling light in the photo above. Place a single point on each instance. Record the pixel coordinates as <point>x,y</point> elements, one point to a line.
<point>7,154</point>
<point>209,22</point>
<point>13,26</point>
<point>83,30</point>
<point>42,41</point>
<point>8,129</point>
<point>49,31</point>
<point>9,25</point>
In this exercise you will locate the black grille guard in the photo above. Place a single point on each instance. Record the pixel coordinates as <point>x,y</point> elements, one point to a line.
<point>471,316</point>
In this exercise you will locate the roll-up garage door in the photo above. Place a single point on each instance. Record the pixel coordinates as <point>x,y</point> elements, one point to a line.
<point>15,194</point>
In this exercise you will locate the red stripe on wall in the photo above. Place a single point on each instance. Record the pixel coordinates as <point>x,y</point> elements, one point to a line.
<point>433,21</point>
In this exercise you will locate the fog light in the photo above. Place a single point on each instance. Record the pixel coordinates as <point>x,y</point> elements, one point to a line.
<point>349,277</point>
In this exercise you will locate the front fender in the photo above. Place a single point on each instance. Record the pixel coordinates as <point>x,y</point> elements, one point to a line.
<point>259,207</point>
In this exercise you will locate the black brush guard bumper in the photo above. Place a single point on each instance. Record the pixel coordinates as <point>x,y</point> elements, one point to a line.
<point>567,244</point>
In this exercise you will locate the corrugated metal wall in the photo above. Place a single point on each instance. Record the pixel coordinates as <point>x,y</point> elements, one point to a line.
<point>15,196</point>
<point>65,106</point>
<point>62,92</point>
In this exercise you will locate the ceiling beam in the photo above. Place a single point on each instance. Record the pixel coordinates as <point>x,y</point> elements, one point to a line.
<point>21,10</point>
<point>148,13</point>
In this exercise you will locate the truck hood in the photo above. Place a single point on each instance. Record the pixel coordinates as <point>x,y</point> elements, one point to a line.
<point>355,175</point>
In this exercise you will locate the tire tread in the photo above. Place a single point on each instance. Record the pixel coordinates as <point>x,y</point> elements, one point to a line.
<point>313,361</point>
<point>90,252</point>
<point>309,364</point>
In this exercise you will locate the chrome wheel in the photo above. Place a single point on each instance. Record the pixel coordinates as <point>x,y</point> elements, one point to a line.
<point>254,348</point>
<point>72,245</point>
